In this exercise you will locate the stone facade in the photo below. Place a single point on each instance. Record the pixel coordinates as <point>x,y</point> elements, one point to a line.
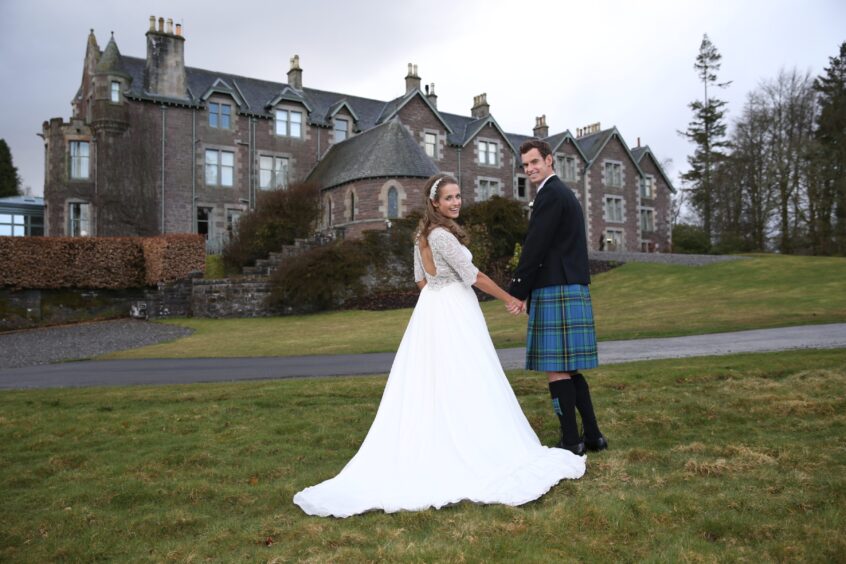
<point>153,146</point>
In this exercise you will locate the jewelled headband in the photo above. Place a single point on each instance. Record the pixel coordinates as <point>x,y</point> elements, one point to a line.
<point>434,191</point>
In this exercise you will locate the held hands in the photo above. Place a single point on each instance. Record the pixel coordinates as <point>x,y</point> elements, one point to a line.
<point>515,306</point>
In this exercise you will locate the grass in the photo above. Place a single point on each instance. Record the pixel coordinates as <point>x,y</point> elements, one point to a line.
<point>711,459</point>
<point>634,301</point>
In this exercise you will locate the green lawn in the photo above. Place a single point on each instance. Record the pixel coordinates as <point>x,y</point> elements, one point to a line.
<point>737,458</point>
<point>633,301</point>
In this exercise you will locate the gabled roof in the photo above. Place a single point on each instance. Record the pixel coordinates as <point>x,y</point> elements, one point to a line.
<point>220,86</point>
<point>385,151</point>
<point>393,107</point>
<point>639,152</point>
<point>337,107</point>
<point>555,141</point>
<point>592,145</point>
<point>464,129</point>
<point>288,94</point>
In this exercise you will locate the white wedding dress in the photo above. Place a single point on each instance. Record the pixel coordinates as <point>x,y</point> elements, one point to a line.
<point>449,427</point>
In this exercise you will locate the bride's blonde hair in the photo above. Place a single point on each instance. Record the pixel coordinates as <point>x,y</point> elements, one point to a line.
<point>431,216</point>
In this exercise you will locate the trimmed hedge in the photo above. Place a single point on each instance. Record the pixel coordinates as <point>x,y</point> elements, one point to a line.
<point>98,262</point>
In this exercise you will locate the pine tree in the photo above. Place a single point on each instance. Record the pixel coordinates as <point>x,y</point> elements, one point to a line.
<point>9,180</point>
<point>831,142</point>
<point>707,131</point>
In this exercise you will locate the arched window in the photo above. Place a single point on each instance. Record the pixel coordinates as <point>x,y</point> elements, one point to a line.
<point>328,221</point>
<point>352,206</point>
<point>393,203</point>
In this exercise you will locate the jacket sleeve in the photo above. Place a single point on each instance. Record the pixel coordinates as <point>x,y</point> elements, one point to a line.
<point>536,245</point>
<point>445,245</point>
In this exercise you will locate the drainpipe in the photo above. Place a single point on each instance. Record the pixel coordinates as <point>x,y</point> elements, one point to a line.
<point>193,162</point>
<point>458,152</point>
<point>252,194</point>
<point>164,110</point>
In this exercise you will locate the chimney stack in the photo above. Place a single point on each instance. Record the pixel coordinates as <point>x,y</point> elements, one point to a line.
<point>412,80</point>
<point>541,130</point>
<point>588,130</point>
<point>164,70</point>
<point>480,108</point>
<point>431,96</point>
<point>638,142</point>
<point>295,75</point>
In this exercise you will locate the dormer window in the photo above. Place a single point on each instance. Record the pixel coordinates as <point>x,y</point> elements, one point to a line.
<point>342,129</point>
<point>220,115</point>
<point>115,92</point>
<point>289,123</point>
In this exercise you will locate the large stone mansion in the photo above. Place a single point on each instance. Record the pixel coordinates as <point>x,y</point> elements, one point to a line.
<point>153,146</point>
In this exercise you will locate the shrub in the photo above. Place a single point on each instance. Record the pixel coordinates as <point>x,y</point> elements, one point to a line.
<point>504,220</point>
<point>280,217</point>
<point>690,239</point>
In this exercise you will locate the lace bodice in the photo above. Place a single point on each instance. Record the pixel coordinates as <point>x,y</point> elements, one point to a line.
<point>453,261</point>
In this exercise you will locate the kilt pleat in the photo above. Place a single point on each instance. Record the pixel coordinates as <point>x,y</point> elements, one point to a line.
<point>561,335</point>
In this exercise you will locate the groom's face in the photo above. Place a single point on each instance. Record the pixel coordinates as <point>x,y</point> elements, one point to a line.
<point>536,167</point>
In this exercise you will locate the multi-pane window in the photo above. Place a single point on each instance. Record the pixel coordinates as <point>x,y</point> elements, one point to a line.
<point>342,129</point>
<point>613,240</point>
<point>220,167</point>
<point>13,225</point>
<point>488,151</point>
<point>393,202</point>
<point>568,169</point>
<point>220,115</point>
<point>647,220</point>
<point>273,172</point>
<point>79,160</point>
<point>289,123</point>
<point>613,174</point>
<point>647,187</point>
<point>614,209</point>
<point>487,188</point>
<point>79,219</point>
<point>430,143</point>
<point>521,186</point>
<point>115,92</point>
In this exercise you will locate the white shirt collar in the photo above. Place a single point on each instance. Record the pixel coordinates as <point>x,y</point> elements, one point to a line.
<point>544,182</point>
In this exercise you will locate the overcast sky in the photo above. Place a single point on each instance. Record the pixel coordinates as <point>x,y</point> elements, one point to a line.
<point>622,63</point>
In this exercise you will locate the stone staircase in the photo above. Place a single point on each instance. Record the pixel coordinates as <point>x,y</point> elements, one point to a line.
<point>266,267</point>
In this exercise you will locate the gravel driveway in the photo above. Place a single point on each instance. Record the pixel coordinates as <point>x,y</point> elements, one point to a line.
<point>83,340</point>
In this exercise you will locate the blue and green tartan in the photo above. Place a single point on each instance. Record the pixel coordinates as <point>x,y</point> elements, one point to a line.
<point>561,335</point>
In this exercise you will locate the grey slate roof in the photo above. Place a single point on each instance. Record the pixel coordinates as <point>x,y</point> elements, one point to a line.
<point>592,144</point>
<point>639,152</point>
<point>110,61</point>
<point>387,150</point>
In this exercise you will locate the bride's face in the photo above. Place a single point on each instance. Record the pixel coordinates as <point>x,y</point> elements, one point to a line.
<point>449,201</point>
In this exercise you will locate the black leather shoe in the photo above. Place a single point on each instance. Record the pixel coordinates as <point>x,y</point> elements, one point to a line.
<point>578,449</point>
<point>597,445</point>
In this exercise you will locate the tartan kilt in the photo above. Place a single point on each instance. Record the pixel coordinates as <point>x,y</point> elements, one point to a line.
<point>561,335</point>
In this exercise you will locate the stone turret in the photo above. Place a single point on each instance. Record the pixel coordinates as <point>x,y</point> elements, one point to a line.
<point>164,72</point>
<point>110,82</point>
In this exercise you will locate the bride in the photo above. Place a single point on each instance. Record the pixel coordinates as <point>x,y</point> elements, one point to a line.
<point>449,427</point>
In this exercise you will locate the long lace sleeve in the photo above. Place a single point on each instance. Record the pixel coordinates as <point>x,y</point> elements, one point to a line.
<point>446,247</point>
<point>418,265</point>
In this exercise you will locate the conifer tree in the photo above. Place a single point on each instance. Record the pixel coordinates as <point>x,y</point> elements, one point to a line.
<point>9,180</point>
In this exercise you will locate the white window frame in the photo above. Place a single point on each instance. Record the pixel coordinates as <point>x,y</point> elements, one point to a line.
<point>79,219</point>
<point>114,93</point>
<point>277,175</point>
<point>80,161</point>
<point>619,204</point>
<point>493,187</point>
<point>488,152</point>
<point>525,180</point>
<point>219,167</point>
<point>569,169</point>
<point>614,178</point>
<point>12,225</point>
<point>209,221</point>
<point>217,112</point>
<point>615,235</point>
<point>430,145</point>
<point>345,130</point>
<point>647,187</point>
<point>233,216</point>
<point>648,213</point>
<point>288,123</point>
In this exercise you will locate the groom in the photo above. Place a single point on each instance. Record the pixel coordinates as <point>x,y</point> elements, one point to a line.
<point>552,279</point>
